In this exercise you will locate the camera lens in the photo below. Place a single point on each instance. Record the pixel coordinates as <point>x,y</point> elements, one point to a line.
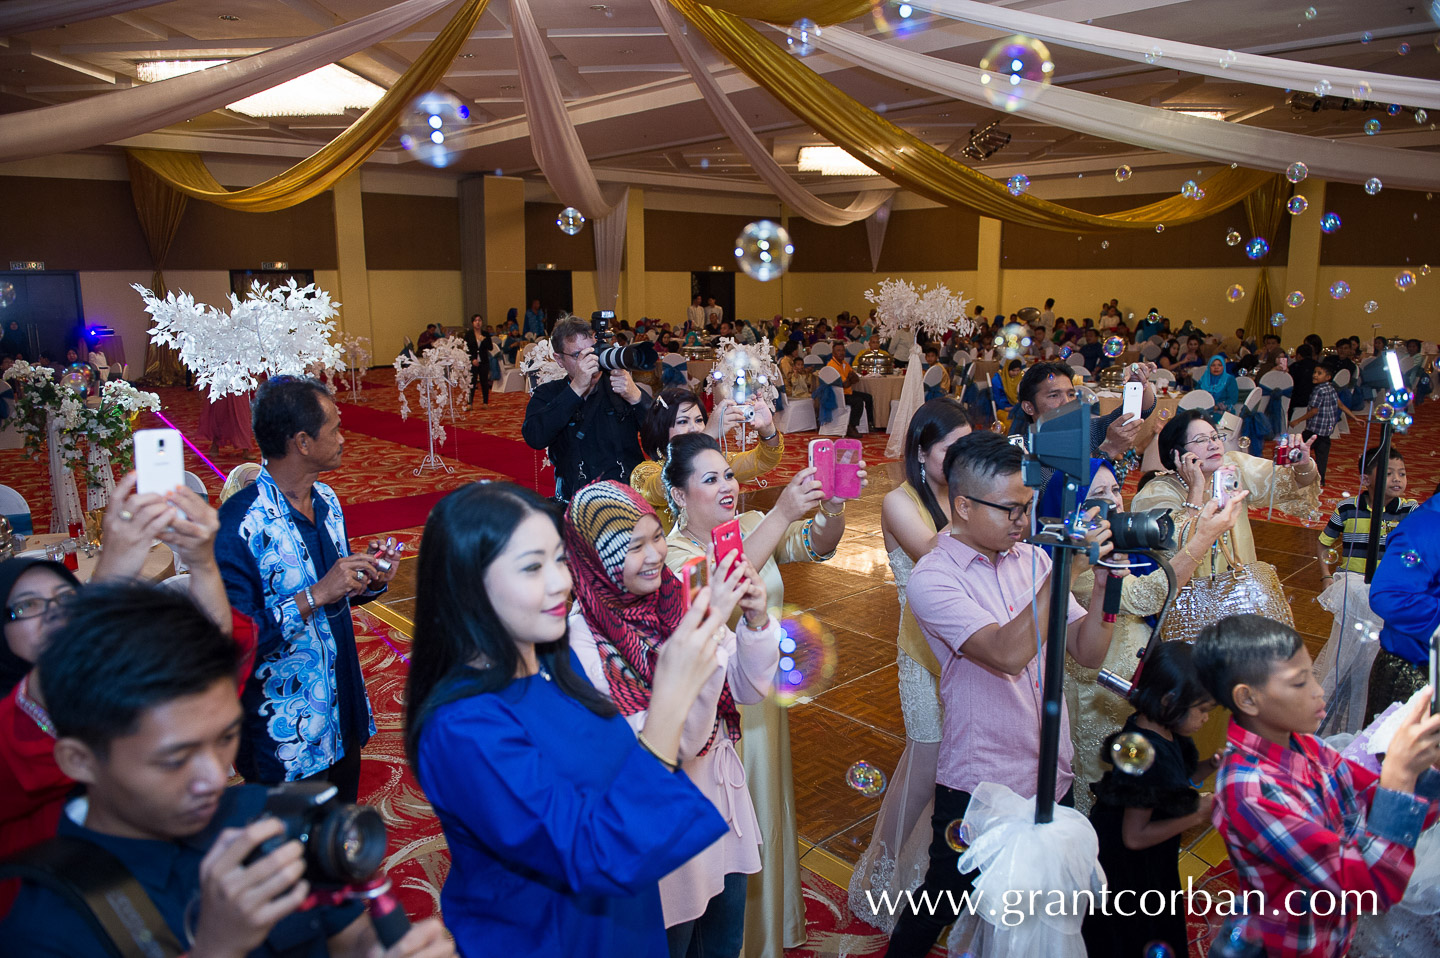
<point>1151,529</point>
<point>348,844</point>
<point>639,356</point>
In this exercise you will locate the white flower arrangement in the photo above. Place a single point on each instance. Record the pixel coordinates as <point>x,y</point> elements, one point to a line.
<point>440,370</point>
<point>744,372</point>
<point>272,332</point>
<point>541,362</point>
<point>901,305</point>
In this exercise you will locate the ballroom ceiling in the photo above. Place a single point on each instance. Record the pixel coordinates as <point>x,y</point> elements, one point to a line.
<point>641,119</point>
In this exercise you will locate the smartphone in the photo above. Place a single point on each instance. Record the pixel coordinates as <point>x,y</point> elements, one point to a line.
<point>1224,484</point>
<point>848,453</point>
<point>692,580</point>
<point>1134,397</point>
<point>726,539</point>
<point>159,461</point>
<point>822,460</point>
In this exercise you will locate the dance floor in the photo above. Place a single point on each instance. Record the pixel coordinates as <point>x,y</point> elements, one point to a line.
<point>857,717</point>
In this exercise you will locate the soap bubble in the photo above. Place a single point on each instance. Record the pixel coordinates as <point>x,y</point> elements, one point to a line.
<point>803,34</point>
<point>430,124</point>
<point>1233,238</point>
<point>1297,205</point>
<point>1339,289</point>
<point>1159,227</point>
<point>1393,109</point>
<point>1189,189</point>
<point>808,658</point>
<point>865,779</point>
<point>1114,346</point>
<point>1311,13</point>
<point>763,250</point>
<point>1322,88</point>
<point>1403,49</point>
<point>1257,248</point>
<point>1104,244</point>
<point>1332,556</point>
<point>7,294</point>
<point>1065,352</point>
<point>1296,172</point>
<point>1421,116</point>
<point>1018,184</point>
<point>1244,443</point>
<point>1153,55</point>
<point>570,221</point>
<point>1372,126</point>
<point>1277,319</point>
<point>1330,222</point>
<point>957,836</point>
<point>1123,173</point>
<point>76,381</point>
<point>1295,300</point>
<point>1425,270</point>
<point>1361,90</point>
<point>1384,411</point>
<point>892,17</point>
<point>1158,949</point>
<point>1371,306</point>
<point>1410,558</point>
<point>1235,293</point>
<point>1373,185</point>
<point>1404,280</point>
<point>1132,753</point>
<point>1366,37</point>
<point>1227,59</point>
<point>1010,62</point>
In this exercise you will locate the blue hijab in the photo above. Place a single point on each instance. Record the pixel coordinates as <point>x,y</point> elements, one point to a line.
<point>1052,500</point>
<point>1217,386</point>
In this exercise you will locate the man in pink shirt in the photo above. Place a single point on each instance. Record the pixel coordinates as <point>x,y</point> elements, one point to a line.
<point>977,596</point>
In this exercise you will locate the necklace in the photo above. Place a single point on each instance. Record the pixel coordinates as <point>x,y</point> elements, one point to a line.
<point>698,544</point>
<point>32,708</point>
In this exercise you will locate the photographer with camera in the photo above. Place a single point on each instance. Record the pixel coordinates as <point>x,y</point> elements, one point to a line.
<point>140,685</point>
<point>589,421</point>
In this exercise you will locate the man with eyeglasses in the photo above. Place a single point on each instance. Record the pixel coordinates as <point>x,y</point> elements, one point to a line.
<point>590,420</point>
<point>978,596</point>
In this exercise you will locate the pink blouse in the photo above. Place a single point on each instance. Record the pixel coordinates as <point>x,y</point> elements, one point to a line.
<point>752,659</point>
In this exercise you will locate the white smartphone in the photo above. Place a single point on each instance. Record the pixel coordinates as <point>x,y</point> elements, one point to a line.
<point>1133,401</point>
<point>159,460</point>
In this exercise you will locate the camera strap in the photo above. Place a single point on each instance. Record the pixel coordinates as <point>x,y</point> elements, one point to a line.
<point>98,886</point>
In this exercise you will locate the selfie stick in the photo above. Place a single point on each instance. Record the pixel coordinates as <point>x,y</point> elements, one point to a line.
<point>1382,468</point>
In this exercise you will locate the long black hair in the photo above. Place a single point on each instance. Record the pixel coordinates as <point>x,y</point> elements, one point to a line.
<point>660,419</point>
<point>455,623</point>
<point>932,422</point>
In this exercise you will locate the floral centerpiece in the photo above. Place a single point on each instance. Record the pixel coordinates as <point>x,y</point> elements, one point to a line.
<point>540,362</point>
<point>440,370</point>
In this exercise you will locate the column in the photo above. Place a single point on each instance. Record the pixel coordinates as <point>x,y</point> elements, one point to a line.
<point>1302,269</point>
<point>504,218</point>
<point>472,248</point>
<point>633,301</point>
<point>989,280</point>
<point>353,293</point>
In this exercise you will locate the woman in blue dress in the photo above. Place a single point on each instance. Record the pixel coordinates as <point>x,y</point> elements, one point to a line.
<point>561,820</point>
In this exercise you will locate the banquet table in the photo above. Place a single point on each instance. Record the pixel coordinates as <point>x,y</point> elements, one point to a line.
<point>883,389</point>
<point>159,564</point>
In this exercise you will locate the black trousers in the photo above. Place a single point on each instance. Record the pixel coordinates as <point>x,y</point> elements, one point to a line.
<point>484,383</point>
<point>860,403</point>
<point>915,934</point>
<point>344,775</point>
<point>1320,452</point>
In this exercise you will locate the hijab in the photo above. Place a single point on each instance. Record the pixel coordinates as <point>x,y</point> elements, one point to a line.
<point>1011,382</point>
<point>12,666</point>
<point>240,477</point>
<point>1212,383</point>
<point>629,629</point>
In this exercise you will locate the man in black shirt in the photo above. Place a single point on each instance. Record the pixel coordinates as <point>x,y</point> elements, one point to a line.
<point>480,346</point>
<point>590,421</point>
<point>1302,370</point>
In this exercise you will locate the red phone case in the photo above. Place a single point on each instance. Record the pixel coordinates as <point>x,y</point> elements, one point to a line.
<point>692,580</point>
<point>848,453</point>
<point>822,458</point>
<point>726,539</point>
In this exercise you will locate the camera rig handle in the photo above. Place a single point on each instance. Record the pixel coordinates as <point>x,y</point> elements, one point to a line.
<point>386,913</point>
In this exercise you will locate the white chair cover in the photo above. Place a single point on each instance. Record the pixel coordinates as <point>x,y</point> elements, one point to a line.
<point>1275,379</point>
<point>1197,399</point>
<point>195,484</point>
<point>797,416</point>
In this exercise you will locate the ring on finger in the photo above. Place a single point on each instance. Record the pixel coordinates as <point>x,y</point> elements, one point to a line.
<point>126,515</point>
<point>359,576</point>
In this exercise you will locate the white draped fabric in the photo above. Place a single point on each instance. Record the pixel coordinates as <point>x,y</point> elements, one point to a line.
<point>791,193</point>
<point>1148,127</point>
<point>64,496</point>
<point>553,139</point>
<point>912,397</point>
<point>875,225</point>
<point>150,106</point>
<point>22,16</point>
<point>1192,58</point>
<point>98,497</point>
<point>610,250</point>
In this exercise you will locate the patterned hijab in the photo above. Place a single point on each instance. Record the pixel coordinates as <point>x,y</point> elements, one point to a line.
<point>629,629</point>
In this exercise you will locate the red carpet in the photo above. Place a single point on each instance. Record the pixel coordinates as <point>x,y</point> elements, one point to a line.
<point>366,518</point>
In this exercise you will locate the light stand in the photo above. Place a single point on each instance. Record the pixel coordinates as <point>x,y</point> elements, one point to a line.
<point>432,461</point>
<point>1395,403</point>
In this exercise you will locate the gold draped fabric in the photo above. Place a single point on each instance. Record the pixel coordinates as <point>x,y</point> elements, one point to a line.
<point>1263,211</point>
<point>914,164</point>
<point>341,156</point>
<point>160,210</point>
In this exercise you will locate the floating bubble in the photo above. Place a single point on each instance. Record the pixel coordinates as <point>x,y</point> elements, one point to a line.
<point>1332,556</point>
<point>1014,71</point>
<point>1295,300</point>
<point>1410,558</point>
<point>1339,289</point>
<point>1153,55</point>
<point>890,17</point>
<point>7,294</point>
<point>808,656</point>
<point>1322,88</point>
<point>1425,270</point>
<point>803,34</point>
<point>1403,49</point>
<point>1227,59</point>
<point>1330,222</point>
<point>1065,352</point>
<point>1204,320</point>
<point>1123,173</point>
<point>1366,37</point>
<point>1373,185</point>
<point>1384,411</point>
<point>1104,244</point>
<point>1311,13</point>
<point>957,836</point>
<point>1296,171</point>
<point>1372,126</point>
<point>1421,116</point>
<point>432,120</point>
<point>1404,280</point>
<point>1233,238</point>
<point>1018,184</point>
<point>865,779</point>
<point>1371,306</point>
<point>1297,205</point>
<point>1361,90</point>
<point>76,381</point>
<point>1189,189</point>
<point>1393,109</point>
<point>1132,753</point>
<point>1277,319</point>
<point>1114,346</point>
<point>1244,443</point>
<point>570,221</point>
<point>1235,293</point>
<point>1257,248</point>
<point>1159,227</point>
<point>763,250</point>
<point>1158,949</point>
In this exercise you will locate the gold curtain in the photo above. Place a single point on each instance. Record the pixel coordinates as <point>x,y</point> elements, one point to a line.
<point>914,164</point>
<point>321,170</point>
<point>1263,211</point>
<point>159,209</point>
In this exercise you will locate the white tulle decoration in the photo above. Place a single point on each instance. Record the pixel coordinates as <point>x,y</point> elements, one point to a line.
<point>284,331</point>
<point>743,372</point>
<point>435,371</point>
<point>540,361</point>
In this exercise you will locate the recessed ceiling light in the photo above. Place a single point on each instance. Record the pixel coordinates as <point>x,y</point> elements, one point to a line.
<point>467,56</point>
<point>328,91</point>
<point>229,18</point>
<point>507,86</point>
<point>1204,114</point>
<point>598,7</point>
<point>627,51</point>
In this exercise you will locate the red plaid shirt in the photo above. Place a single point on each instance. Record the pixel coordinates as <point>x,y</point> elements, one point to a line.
<point>1303,822</point>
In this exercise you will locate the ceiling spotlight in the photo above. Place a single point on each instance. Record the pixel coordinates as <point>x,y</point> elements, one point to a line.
<point>229,18</point>
<point>986,142</point>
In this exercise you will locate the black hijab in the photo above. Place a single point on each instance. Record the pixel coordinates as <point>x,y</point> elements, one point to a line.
<point>12,666</point>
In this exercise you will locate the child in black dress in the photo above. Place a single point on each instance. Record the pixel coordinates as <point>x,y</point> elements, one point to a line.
<point>1139,817</point>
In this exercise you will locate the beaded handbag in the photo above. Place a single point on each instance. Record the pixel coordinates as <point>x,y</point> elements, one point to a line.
<point>1206,599</point>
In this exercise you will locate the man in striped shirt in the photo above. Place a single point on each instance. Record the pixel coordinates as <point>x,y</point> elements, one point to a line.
<point>1348,530</point>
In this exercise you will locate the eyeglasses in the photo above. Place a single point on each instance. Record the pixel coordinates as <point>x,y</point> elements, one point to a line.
<point>33,606</point>
<point>1013,513</point>
<point>1205,440</point>
<point>579,352</point>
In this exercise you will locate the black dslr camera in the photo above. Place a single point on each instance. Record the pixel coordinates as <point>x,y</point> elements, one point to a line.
<point>1129,531</point>
<point>344,844</point>
<point>639,356</point>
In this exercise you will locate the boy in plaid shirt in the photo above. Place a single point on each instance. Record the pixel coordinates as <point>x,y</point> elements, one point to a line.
<point>1324,412</point>
<point>1303,825</point>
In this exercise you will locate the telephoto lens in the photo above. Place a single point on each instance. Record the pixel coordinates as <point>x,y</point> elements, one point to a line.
<point>640,356</point>
<point>344,844</point>
<point>1151,529</point>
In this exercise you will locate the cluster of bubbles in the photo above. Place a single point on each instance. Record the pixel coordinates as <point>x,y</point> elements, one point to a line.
<point>1233,238</point>
<point>803,34</point>
<point>808,658</point>
<point>570,221</point>
<point>1372,126</point>
<point>763,250</point>
<point>427,126</point>
<point>1235,293</point>
<point>1373,185</point>
<point>1018,184</point>
<point>1257,248</point>
<point>1123,173</point>
<point>1132,753</point>
<point>1330,222</point>
<point>1191,190</point>
<point>1114,346</point>
<point>1007,64</point>
<point>1295,300</point>
<point>1297,205</point>
<point>865,779</point>
<point>1404,280</point>
<point>1277,319</point>
<point>1339,289</point>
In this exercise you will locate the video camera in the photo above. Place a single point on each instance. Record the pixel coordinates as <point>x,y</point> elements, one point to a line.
<point>639,356</point>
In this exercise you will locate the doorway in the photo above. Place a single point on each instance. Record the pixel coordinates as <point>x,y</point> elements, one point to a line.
<point>553,288</point>
<point>720,286</point>
<point>46,308</point>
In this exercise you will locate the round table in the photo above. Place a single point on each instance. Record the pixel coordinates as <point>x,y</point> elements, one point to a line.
<point>883,389</point>
<point>159,564</point>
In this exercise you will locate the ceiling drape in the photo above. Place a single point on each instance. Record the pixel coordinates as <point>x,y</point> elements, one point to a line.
<point>609,233</point>
<point>22,16</point>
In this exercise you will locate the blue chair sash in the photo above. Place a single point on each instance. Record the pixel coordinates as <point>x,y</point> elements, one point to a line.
<point>829,403</point>
<point>934,392</point>
<point>20,523</point>
<point>1274,414</point>
<point>676,375</point>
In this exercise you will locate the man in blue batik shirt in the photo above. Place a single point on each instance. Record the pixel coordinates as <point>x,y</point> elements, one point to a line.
<point>285,557</point>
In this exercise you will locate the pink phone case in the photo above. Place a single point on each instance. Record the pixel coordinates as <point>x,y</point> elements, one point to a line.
<point>848,453</point>
<point>822,458</point>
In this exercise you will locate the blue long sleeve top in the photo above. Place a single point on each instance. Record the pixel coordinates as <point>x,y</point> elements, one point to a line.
<point>1406,588</point>
<point>560,825</point>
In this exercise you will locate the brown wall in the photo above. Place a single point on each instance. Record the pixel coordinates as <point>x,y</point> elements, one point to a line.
<point>691,242</point>
<point>545,243</point>
<point>1388,229</point>
<point>934,239</point>
<point>71,224</point>
<point>212,237</point>
<point>411,232</point>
